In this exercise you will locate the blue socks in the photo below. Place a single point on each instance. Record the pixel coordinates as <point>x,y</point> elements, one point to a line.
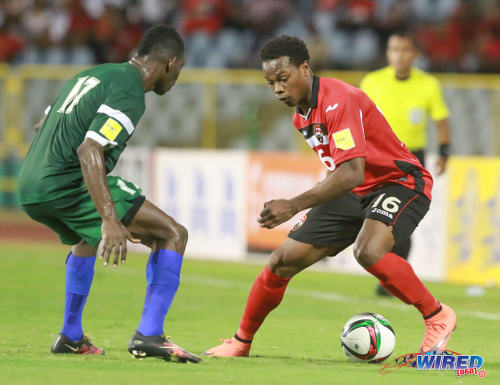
<point>79,274</point>
<point>162,274</point>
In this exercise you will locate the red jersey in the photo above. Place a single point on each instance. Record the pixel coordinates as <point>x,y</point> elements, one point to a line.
<point>343,123</point>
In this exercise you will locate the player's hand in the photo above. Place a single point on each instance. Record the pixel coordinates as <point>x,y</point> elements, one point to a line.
<point>276,212</point>
<point>114,237</point>
<point>441,164</point>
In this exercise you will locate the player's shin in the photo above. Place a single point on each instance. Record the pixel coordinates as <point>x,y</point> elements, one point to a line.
<point>162,273</point>
<point>398,277</point>
<point>79,275</point>
<point>265,295</point>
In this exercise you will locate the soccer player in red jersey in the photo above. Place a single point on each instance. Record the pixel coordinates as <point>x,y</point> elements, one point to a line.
<point>374,195</point>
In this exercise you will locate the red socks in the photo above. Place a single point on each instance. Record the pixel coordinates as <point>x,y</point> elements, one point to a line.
<point>397,276</point>
<point>266,294</point>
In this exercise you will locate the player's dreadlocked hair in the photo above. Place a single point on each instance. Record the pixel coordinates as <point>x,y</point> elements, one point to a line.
<point>285,45</point>
<point>162,40</point>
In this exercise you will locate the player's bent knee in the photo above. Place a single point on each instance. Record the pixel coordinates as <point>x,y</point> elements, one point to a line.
<point>83,249</point>
<point>367,253</point>
<point>182,234</point>
<point>275,261</point>
<point>282,263</point>
<point>174,235</point>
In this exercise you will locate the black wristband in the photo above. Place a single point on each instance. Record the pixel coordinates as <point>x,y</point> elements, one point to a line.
<point>444,150</point>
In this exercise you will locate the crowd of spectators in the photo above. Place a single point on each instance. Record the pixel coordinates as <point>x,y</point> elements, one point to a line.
<point>454,35</point>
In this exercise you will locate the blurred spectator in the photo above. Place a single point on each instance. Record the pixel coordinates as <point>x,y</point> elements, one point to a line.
<point>432,10</point>
<point>201,22</point>
<point>263,16</point>
<point>390,16</point>
<point>10,44</point>
<point>455,35</point>
<point>203,16</point>
<point>157,11</point>
<point>442,44</point>
<point>36,21</point>
<point>489,38</point>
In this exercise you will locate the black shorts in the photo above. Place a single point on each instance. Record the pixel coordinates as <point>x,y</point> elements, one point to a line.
<point>338,222</point>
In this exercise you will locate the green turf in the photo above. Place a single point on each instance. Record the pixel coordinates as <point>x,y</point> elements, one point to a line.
<point>298,344</point>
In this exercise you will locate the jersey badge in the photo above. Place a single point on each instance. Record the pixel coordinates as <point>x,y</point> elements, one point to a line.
<point>343,139</point>
<point>111,129</point>
<point>318,133</point>
<point>417,115</point>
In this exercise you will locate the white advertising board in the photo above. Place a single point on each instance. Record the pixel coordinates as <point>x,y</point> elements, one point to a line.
<point>136,165</point>
<point>205,191</point>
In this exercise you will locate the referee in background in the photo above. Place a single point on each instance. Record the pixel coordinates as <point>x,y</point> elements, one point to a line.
<point>408,97</point>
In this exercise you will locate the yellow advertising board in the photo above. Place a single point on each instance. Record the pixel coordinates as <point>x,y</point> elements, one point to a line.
<point>473,235</point>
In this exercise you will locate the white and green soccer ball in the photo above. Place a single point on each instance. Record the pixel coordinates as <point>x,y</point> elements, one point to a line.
<point>367,337</point>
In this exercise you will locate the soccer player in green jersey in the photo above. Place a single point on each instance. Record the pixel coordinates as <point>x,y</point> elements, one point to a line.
<point>64,184</point>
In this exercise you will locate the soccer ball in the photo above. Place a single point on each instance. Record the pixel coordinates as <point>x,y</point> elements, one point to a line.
<point>367,337</point>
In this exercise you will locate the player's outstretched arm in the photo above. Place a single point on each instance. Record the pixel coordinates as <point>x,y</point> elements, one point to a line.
<point>114,233</point>
<point>347,176</point>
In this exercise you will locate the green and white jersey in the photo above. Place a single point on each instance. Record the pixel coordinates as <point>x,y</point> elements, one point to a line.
<point>103,103</point>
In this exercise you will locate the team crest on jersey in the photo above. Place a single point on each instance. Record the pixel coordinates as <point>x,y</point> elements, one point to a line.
<point>299,224</point>
<point>315,134</point>
<point>318,133</point>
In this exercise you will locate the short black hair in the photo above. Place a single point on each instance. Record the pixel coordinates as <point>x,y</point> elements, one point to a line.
<point>285,45</point>
<point>406,34</point>
<point>161,40</point>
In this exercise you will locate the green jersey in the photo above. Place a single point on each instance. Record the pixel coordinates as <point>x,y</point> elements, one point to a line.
<point>103,103</point>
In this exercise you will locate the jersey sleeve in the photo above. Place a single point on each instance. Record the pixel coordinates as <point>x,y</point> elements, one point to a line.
<point>346,132</point>
<point>116,119</point>
<point>438,108</point>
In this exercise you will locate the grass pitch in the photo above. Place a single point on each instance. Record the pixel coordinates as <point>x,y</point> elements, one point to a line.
<point>298,343</point>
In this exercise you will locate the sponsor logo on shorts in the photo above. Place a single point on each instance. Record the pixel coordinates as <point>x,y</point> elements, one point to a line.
<point>299,224</point>
<point>382,212</point>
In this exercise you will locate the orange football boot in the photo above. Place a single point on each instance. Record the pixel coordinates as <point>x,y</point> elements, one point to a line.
<point>230,348</point>
<point>438,330</point>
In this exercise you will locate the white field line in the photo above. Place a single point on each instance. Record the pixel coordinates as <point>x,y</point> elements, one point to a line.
<point>313,294</point>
